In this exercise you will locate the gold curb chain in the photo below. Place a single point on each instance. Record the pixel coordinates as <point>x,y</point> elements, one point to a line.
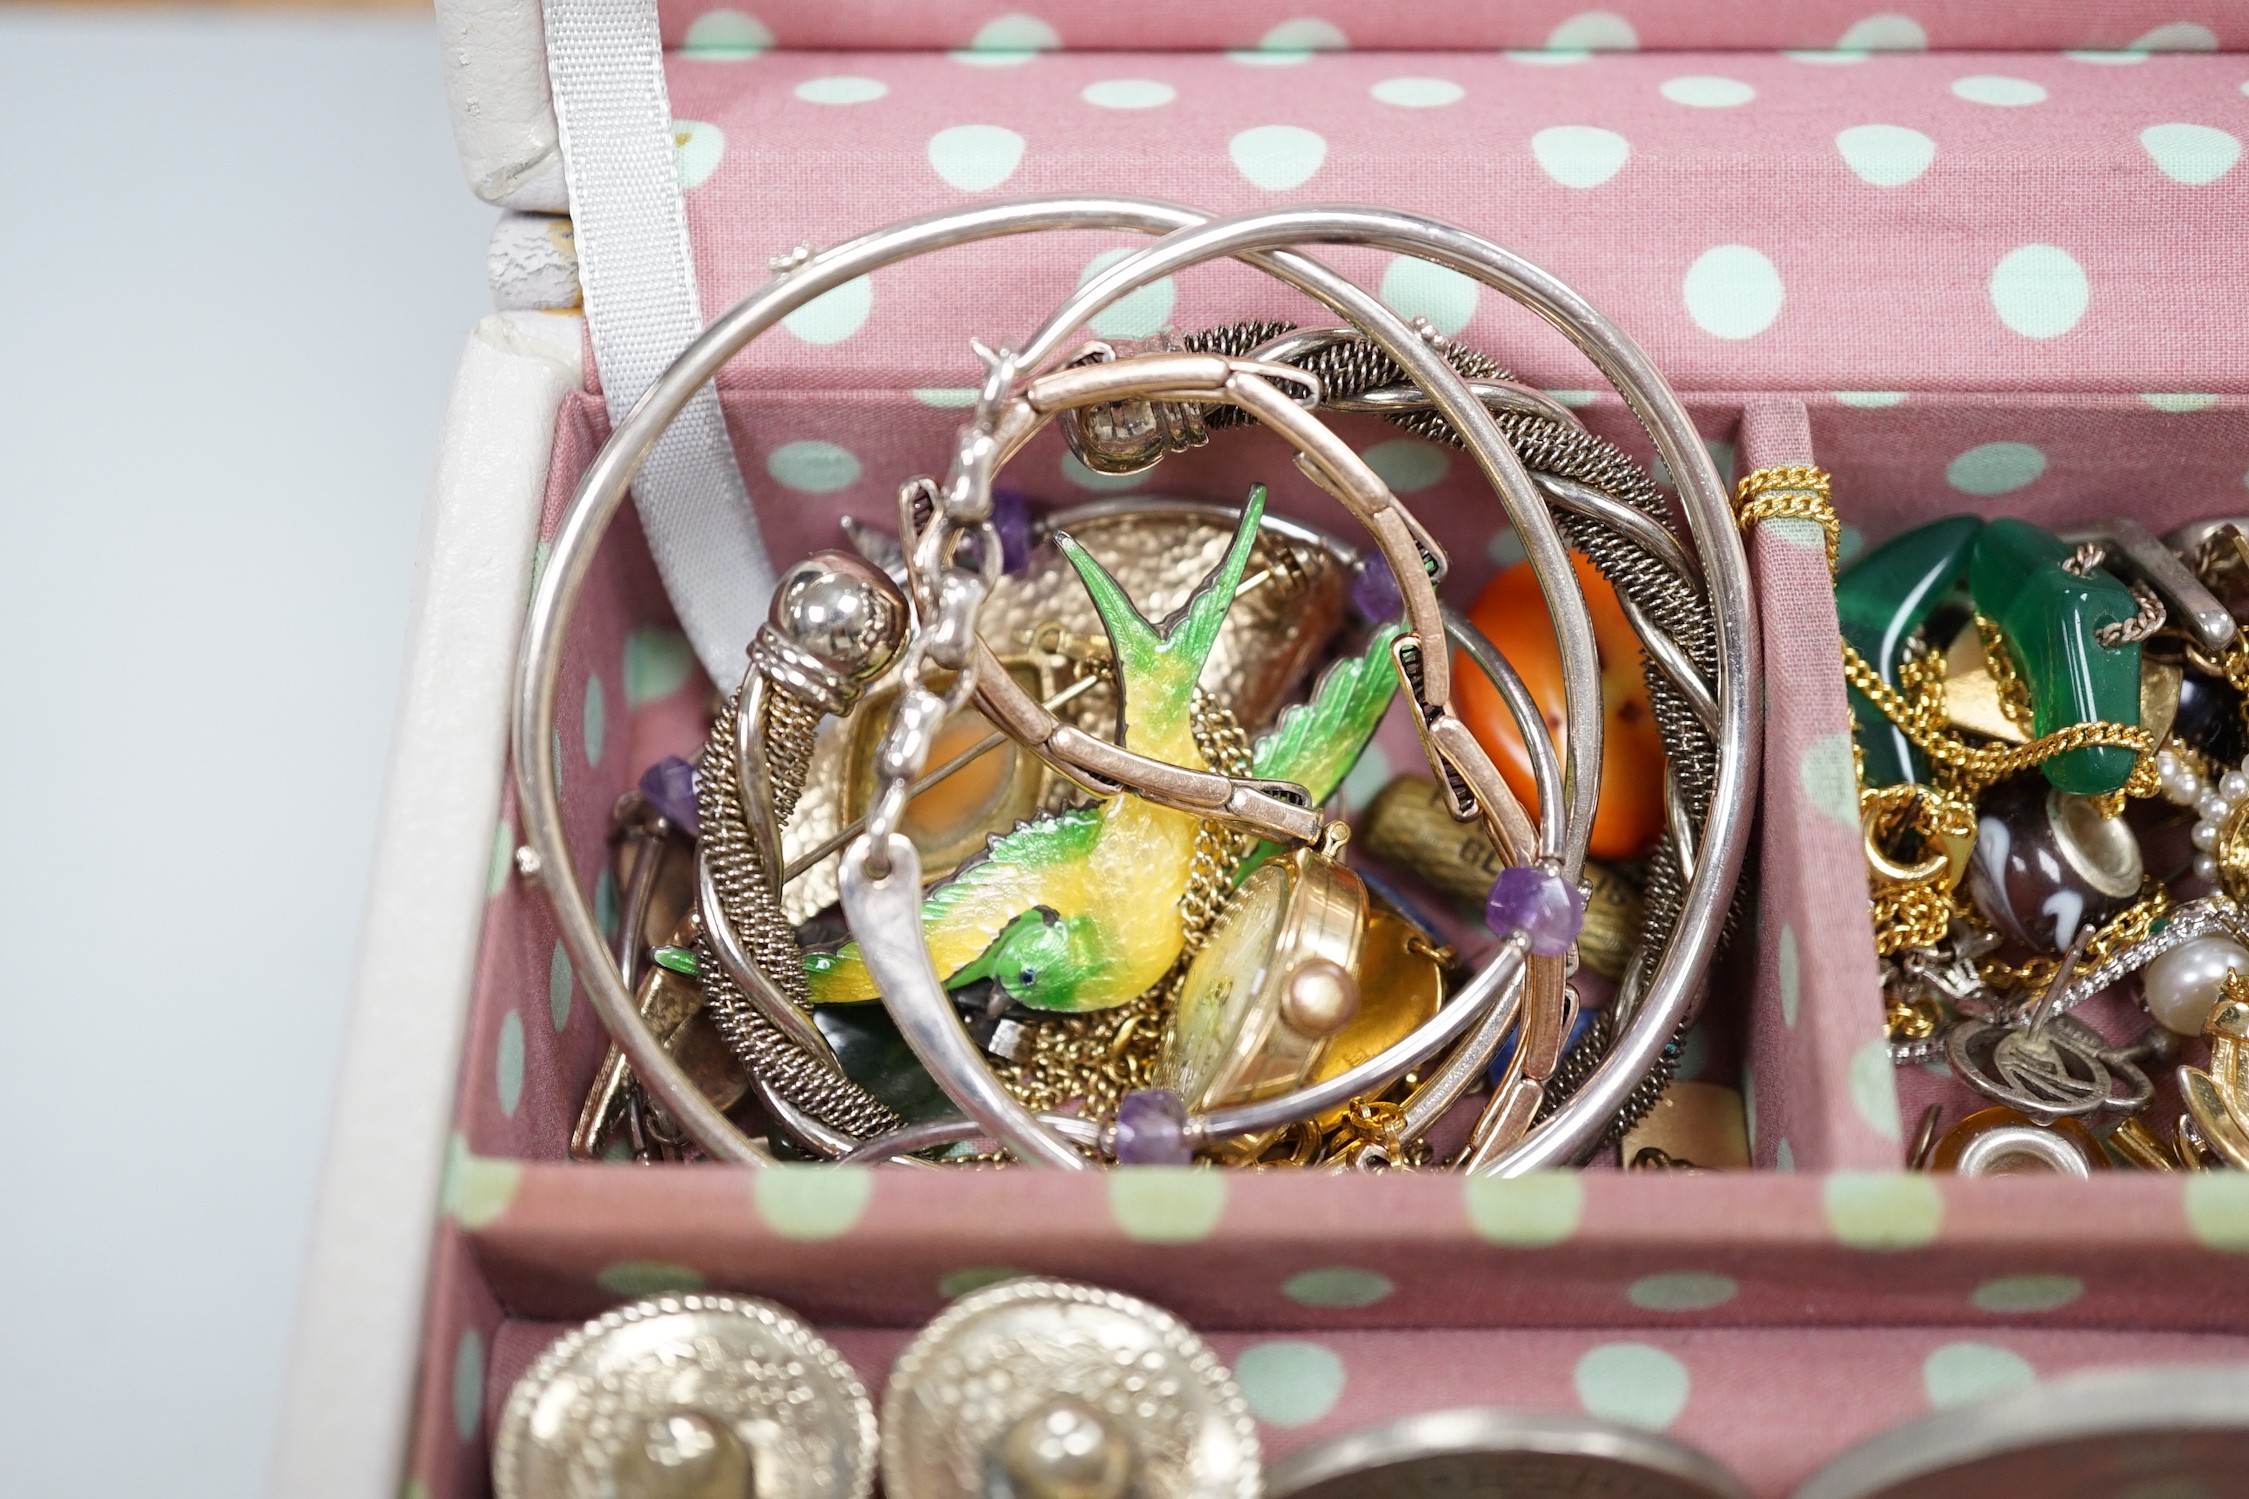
<point>1800,492</point>
<point>1916,706</point>
<point>1791,492</point>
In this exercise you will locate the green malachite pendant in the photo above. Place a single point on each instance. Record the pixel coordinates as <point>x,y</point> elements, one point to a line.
<point>875,1056</point>
<point>1881,602</point>
<point>2050,617</point>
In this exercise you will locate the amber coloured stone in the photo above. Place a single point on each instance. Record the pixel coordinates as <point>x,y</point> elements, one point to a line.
<point>2051,618</point>
<point>1512,615</point>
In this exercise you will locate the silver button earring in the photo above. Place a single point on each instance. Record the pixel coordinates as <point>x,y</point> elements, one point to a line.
<point>1039,1389</point>
<point>688,1397</point>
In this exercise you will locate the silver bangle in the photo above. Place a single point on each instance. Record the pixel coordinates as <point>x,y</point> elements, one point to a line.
<point>1578,1125</point>
<point>881,917</point>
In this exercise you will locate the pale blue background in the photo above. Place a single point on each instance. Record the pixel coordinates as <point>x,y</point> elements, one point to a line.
<point>237,260</point>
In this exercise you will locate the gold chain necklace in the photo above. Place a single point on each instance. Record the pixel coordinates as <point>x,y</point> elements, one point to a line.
<point>1919,912</point>
<point>1916,706</point>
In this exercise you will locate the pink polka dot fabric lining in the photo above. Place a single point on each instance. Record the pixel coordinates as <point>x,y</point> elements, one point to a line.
<point>2004,282</point>
<point>1286,27</point>
<point>1861,229</point>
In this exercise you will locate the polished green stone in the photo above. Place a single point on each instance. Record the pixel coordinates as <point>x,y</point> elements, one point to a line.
<point>2050,617</point>
<point>878,1059</point>
<point>678,960</point>
<point>1881,601</point>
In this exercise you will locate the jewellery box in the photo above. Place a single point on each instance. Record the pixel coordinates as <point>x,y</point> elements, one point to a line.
<point>1966,258</point>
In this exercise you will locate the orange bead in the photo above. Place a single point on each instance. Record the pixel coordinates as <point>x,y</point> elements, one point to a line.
<point>1512,614</point>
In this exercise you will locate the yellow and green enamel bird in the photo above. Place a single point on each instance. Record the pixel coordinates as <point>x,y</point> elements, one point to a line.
<point>1080,910</point>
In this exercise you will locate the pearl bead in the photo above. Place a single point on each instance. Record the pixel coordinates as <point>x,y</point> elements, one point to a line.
<point>1321,998</point>
<point>2180,783</point>
<point>1065,1449</point>
<point>2206,868</point>
<point>2210,806</point>
<point>2205,835</point>
<point>2182,985</point>
<point>2233,786</point>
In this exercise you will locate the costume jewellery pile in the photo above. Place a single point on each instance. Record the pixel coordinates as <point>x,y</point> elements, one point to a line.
<point>1014,843</point>
<point>2055,808</point>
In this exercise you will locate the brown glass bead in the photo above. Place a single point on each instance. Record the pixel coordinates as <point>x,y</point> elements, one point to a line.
<point>2047,863</point>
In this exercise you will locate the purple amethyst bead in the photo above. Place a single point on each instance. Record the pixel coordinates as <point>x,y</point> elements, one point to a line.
<point>1538,903</point>
<point>1152,1129</point>
<point>1011,517</point>
<point>669,786</point>
<point>1374,591</point>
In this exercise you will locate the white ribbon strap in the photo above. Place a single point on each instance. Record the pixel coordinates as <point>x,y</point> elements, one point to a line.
<point>605,62</point>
